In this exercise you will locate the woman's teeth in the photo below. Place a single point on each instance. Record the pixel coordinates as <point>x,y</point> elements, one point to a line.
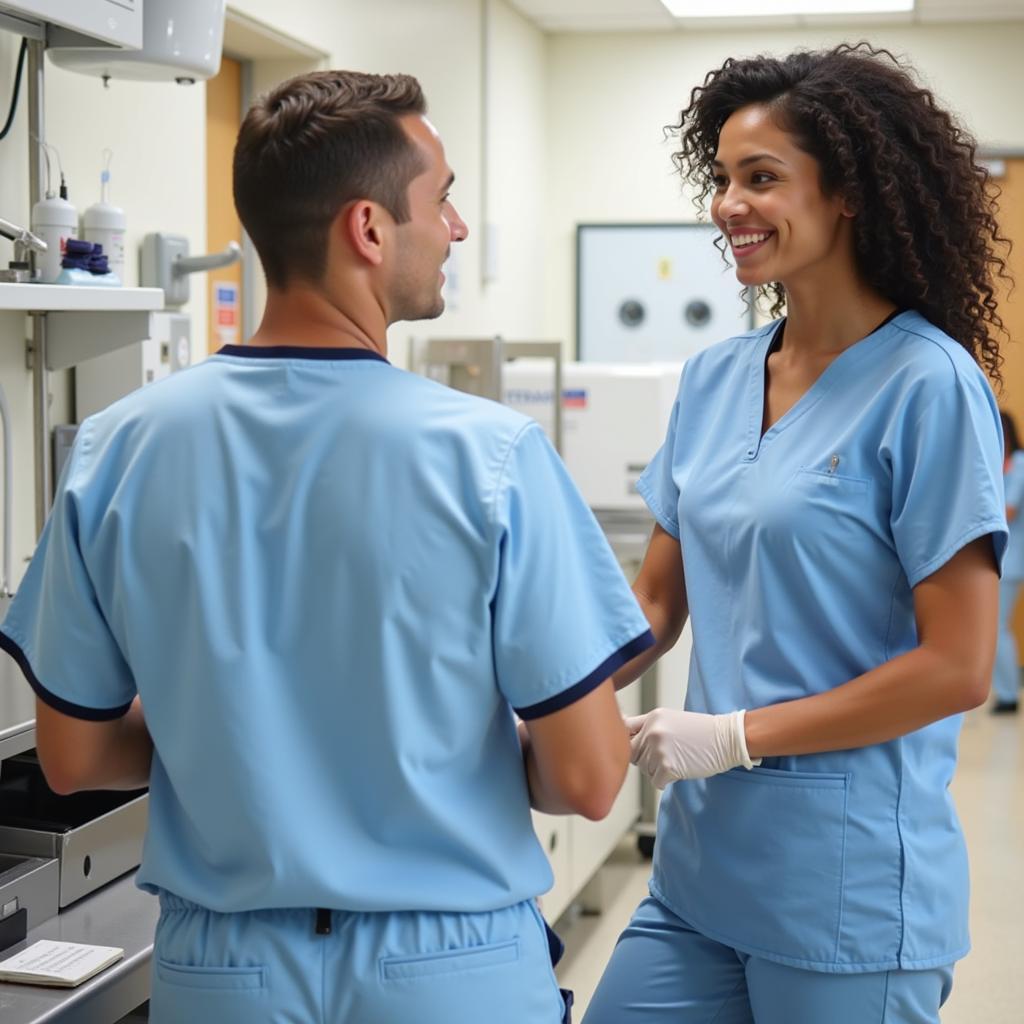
<point>738,241</point>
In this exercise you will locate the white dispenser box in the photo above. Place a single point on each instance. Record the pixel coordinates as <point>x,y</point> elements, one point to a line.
<point>82,22</point>
<point>614,418</point>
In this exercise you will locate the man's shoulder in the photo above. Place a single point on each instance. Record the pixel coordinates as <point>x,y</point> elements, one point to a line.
<point>442,404</point>
<point>174,397</point>
<point>399,405</point>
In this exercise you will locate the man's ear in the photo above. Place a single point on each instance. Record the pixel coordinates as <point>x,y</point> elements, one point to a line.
<point>364,224</point>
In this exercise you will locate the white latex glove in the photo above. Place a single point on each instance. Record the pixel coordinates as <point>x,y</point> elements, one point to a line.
<point>667,744</point>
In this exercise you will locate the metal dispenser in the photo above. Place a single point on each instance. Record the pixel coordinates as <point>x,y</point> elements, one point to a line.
<point>476,366</point>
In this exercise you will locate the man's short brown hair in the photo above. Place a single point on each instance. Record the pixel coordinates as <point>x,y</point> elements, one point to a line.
<point>313,144</point>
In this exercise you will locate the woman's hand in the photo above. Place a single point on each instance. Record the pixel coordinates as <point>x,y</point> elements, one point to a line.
<point>667,744</point>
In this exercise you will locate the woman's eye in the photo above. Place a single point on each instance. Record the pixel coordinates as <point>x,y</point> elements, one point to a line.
<point>761,178</point>
<point>719,182</point>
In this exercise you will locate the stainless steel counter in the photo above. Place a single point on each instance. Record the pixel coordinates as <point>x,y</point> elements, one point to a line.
<point>116,915</point>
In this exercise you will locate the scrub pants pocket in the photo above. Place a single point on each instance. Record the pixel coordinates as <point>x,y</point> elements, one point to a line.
<point>228,995</point>
<point>290,966</point>
<point>462,969</point>
<point>251,968</point>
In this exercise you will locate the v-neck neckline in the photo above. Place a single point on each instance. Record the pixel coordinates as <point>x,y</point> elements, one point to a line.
<point>822,384</point>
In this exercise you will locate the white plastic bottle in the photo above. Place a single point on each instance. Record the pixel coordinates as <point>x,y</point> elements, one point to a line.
<point>106,224</point>
<point>54,220</point>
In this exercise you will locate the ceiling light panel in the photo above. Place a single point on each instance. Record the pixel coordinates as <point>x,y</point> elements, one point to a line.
<point>762,8</point>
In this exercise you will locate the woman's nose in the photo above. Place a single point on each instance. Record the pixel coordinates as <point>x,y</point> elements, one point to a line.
<point>732,201</point>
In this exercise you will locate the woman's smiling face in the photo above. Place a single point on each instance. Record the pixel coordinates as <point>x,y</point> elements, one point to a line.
<point>769,204</point>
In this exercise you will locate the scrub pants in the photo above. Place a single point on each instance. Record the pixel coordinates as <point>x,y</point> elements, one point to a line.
<point>336,967</point>
<point>664,972</point>
<point>1006,676</point>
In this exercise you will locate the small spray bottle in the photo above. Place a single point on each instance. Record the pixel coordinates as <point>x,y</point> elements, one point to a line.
<point>106,224</point>
<point>54,220</point>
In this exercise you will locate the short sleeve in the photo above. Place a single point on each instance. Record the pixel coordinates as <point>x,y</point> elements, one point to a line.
<point>947,486</point>
<point>657,486</point>
<point>564,618</point>
<point>55,628</point>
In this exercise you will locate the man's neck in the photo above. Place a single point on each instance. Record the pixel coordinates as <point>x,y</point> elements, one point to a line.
<point>307,318</point>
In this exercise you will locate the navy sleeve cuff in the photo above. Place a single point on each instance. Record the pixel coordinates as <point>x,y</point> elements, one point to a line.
<point>561,700</point>
<point>65,707</point>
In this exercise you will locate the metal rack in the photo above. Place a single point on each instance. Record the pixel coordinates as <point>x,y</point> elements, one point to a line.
<point>475,365</point>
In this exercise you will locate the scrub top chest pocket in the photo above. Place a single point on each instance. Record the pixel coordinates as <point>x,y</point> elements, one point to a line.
<point>806,507</point>
<point>818,495</point>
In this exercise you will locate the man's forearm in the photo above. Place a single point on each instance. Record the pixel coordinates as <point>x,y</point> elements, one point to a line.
<point>540,799</point>
<point>77,755</point>
<point>130,754</point>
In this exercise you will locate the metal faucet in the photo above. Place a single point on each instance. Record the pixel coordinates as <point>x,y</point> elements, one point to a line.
<point>26,244</point>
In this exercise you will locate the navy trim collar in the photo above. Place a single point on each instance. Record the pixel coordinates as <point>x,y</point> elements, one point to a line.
<point>297,352</point>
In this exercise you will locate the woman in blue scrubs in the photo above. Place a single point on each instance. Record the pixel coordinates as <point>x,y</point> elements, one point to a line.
<point>830,517</point>
<point>1006,676</point>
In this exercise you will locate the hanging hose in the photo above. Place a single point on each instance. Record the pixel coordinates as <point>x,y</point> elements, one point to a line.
<point>17,88</point>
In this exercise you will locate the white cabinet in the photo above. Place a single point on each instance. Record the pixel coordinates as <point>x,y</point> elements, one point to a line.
<point>577,847</point>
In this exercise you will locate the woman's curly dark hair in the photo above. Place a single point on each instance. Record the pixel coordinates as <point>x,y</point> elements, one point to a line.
<point>925,230</point>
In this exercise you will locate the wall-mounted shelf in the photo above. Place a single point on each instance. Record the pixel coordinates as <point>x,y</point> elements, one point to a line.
<point>46,298</point>
<point>84,322</point>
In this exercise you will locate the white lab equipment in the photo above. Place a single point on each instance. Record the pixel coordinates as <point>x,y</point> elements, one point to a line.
<point>105,223</point>
<point>648,292</point>
<point>181,42</point>
<point>105,379</point>
<point>614,419</point>
<point>94,22</point>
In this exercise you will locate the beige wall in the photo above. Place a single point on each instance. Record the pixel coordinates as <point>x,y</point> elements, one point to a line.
<point>156,132</point>
<point>573,134</point>
<point>610,95</point>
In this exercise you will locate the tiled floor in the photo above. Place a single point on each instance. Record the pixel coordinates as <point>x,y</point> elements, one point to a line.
<point>989,789</point>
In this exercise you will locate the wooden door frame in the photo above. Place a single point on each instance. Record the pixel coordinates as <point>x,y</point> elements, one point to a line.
<point>1013,399</point>
<point>266,53</point>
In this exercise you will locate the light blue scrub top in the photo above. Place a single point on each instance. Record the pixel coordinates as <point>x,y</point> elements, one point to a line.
<point>801,550</point>
<point>1013,484</point>
<point>330,581</point>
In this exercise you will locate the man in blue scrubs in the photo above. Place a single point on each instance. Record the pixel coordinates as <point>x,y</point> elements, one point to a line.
<point>329,583</point>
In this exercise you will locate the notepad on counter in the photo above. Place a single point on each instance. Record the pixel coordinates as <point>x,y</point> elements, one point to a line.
<point>66,964</point>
